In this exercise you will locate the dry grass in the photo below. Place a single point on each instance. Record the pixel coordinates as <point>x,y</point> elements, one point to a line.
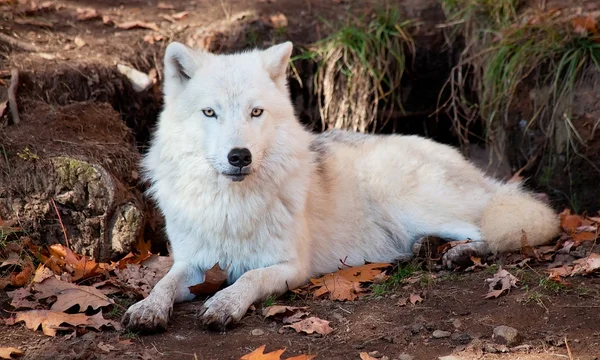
<point>360,67</point>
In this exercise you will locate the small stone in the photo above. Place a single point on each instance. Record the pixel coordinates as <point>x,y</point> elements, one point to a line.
<point>257,332</point>
<point>385,358</point>
<point>505,335</point>
<point>440,334</point>
<point>457,323</point>
<point>416,328</point>
<point>405,356</point>
<point>375,354</point>
<point>461,338</point>
<point>449,357</point>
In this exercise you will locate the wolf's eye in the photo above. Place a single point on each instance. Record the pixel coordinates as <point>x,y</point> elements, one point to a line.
<point>256,112</point>
<point>209,112</point>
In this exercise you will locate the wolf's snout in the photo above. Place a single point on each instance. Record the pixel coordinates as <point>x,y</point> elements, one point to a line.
<point>240,157</point>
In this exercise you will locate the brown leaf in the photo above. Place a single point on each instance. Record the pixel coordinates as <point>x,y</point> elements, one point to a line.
<point>415,298</point>
<point>12,259</point>
<point>570,222</point>
<point>87,13</point>
<point>19,299</point>
<point>258,354</point>
<point>68,295</point>
<point>449,245</point>
<point>586,265</point>
<point>180,15</point>
<point>279,20</point>
<point>18,278</point>
<point>527,251</point>
<point>281,310</point>
<point>504,280</point>
<point>79,267</point>
<point>9,352</point>
<point>213,279</point>
<point>165,6</point>
<point>402,301</point>
<point>366,356</point>
<point>138,24</point>
<point>584,25</point>
<point>311,325</point>
<point>42,273</point>
<point>584,236</point>
<point>295,317</point>
<point>51,321</point>
<point>345,284</point>
<point>3,107</point>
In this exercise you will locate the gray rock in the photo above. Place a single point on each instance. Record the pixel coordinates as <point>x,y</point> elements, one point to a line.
<point>375,354</point>
<point>257,332</point>
<point>506,335</point>
<point>440,334</point>
<point>461,338</point>
<point>405,356</point>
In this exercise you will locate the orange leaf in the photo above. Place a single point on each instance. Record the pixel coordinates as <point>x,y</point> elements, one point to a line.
<point>415,298</point>
<point>213,279</point>
<point>366,356</point>
<point>570,222</point>
<point>9,352</point>
<point>584,236</point>
<point>345,284</point>
<point>259,354</point>
<point>311,325</point>
<point>584,25</point>
<point>51,321</point>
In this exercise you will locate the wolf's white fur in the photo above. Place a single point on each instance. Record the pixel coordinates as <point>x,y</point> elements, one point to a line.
<point>309,200</point>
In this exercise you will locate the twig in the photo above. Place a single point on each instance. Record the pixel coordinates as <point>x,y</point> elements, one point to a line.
<point>227,13</point>
<point>568,349</point>
<point>12,96</point>
<point>61,224</point>
<point>18,43</point>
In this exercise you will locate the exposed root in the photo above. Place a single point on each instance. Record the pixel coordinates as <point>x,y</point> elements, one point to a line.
<point>12,96</point>
<point>16,43</point>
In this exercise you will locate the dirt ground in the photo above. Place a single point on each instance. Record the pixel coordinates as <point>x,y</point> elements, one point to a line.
<point>544,315</point>
<point>70,64</point>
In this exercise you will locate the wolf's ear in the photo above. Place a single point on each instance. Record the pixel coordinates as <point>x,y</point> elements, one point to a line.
<point>275,59</point>
<point>180,65</point>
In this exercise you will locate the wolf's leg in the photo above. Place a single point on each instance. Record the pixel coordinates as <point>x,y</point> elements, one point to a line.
<point>461,254</point>
<point>152,313</point>
<point>231,303</point>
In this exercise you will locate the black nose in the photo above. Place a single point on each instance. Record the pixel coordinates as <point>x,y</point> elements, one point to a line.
<point>240,157</point>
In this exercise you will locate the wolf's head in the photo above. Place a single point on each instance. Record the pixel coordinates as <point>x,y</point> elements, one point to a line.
<point>227,108</point>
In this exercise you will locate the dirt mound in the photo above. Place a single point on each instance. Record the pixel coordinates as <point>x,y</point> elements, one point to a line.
<point>81,157</point>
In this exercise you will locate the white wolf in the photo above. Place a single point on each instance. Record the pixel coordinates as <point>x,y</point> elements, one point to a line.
<point>241,182</point>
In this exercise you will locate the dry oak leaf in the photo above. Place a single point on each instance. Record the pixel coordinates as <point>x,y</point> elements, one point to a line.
<point>311,325</point>
<point>143,251</point>
<point>504,279</point>
<point>258,354</point>
<point>345,284</point>
<point>9,352</point>
<point>138,24</point>
<point>80,267</point>
<point>68,295</point>
<point>415,298</point>
<point>51,321</point>
<point>213,279</point>
<point>570,222</point>
<point>281,310</point>
<point>586,265</point>
<point>366,356</point>
<point>18,278</point>
<point>19,299</point>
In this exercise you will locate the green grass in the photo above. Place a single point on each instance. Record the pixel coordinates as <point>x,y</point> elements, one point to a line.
<point>403,272</point>
<point>359,70</point>
<point>270,301</point>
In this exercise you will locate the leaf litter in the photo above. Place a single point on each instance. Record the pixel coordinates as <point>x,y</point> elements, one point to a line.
<point>259,354</point>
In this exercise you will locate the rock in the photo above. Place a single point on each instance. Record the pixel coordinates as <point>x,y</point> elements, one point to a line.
<point>405,356</point>
<point>257,332</point>
<point>449,357</point>
<point>385,358</point>
<point>440,334</point>
<point>457,323</point>
<point>461,338</point>
<point>375,354</point>
<point>506,335</point>
<point>416,328</point>
<point>88,173</point>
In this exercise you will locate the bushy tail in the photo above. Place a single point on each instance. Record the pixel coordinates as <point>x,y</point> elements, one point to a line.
<point>511,210</point>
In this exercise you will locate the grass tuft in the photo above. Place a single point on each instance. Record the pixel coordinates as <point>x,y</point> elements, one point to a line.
<point>359,70</point>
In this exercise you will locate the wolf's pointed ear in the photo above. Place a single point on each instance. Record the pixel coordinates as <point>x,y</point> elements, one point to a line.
<point>180,65</point>
<point>275,59</point>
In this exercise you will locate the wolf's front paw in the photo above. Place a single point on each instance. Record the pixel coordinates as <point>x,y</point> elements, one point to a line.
<point>148,315</point>
<point>460,255</point>
<point>223,308</point>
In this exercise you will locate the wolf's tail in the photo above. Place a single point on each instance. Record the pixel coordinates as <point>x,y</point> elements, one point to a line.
<point>512,210</point>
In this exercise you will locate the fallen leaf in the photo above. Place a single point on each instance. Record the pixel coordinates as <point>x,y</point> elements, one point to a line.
<point>165,6</point>
<point>105,347</point>
<point>527,251</point>
<point>51,321</point>
<point>213,279</point>
<point>41,274</point>
<point>12,259</point>
<point>3,107</point>
<point>79,267</point>
<point>415,298</point>
<point>138,24</point>
<point>584,25</point>
<point>20,299</point>
<point>258,354</point>
<point>586,265</point>
<point>311,325</point>
<point>68,295</point>
<point>584,236</point>
<point>279,20</point>
<point>86,14</point>
<point>450,244</point>
<point>345,284</point>
<point>281,310</point>
<point>570,222</point>
<point>366,356</point>
<point>9,352</point>
<point>402,301</point>
<point>501,278</point>
<point>295,317</point>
